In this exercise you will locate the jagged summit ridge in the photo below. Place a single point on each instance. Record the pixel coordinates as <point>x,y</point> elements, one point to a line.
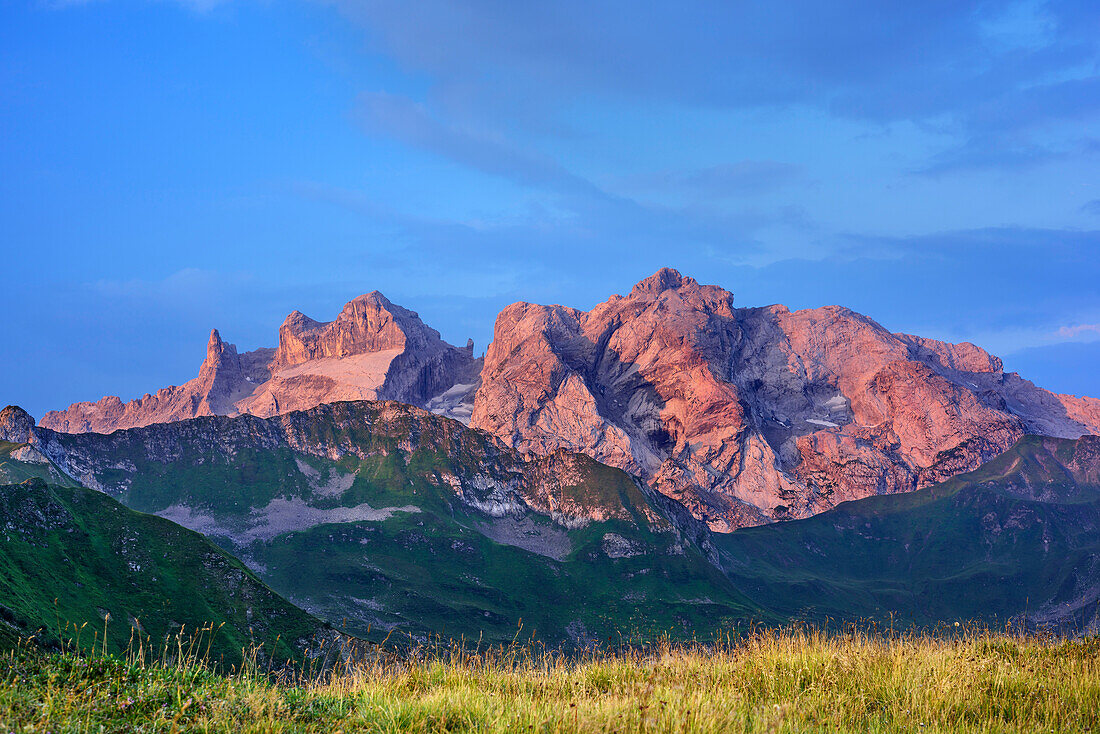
<point>747,415</point>
<point>373,349</point>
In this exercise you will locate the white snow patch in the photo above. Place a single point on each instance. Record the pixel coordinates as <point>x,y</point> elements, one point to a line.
<point>456,391</point>
<point>819,422</point>
<point>456,402</point>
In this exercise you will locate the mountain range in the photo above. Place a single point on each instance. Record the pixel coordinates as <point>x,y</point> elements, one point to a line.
<point>664,463</point>
<point>742,415</point>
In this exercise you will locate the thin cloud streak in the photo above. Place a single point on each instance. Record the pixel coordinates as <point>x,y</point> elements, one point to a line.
<point>411,122</point>
<point>1077,330</point>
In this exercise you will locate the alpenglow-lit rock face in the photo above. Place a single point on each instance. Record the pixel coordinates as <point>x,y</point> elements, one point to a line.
<point>748,415</point>
<point>373,350</point>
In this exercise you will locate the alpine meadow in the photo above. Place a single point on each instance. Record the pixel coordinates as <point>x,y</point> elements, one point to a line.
<point>478,366</point>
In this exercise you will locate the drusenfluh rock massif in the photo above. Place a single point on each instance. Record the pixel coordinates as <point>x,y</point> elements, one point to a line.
<point>748,415</point>
<point>372,350</point>
<point>744,416</point>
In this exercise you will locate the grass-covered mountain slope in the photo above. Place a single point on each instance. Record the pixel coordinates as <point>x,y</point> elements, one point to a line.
<point>1017,538</point>
<point>70,556</point>
<point>380,517</point>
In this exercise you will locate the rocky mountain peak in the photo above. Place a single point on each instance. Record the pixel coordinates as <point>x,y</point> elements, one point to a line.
<point>742,415</point>
<point>670,296</point>
<point>368,323</point>
<point>964,356</point>
<point>374,299</point>
<point>298,321</point>
<point>661,281</point>
<point>748,415</point>
<point>16,424</point>
<point>219,354</point>
<point>373,349</point>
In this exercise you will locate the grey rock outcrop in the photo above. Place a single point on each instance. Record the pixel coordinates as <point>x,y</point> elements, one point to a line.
<point>16,425</point>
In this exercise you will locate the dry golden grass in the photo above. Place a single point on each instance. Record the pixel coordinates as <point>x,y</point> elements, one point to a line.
<point>786,681</point>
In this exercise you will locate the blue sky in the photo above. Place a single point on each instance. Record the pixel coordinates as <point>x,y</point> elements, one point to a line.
<point>171,166</point>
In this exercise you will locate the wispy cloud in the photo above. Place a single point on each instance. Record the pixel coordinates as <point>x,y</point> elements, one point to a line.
<point>742,178</point>
<point>1078,330</point>
<point>201,6</point>
<point>856,57</point>
<point>185,283</point>
<point>411,122</point>
<point>571,217</point>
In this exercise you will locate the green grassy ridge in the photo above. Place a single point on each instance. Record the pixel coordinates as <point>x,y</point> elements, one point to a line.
<point>225,467</point>
<point>594,487</point>
<point>433,570</point>
<point>71,556</point>
<point>1015,537</point>
<point>771,681</point>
